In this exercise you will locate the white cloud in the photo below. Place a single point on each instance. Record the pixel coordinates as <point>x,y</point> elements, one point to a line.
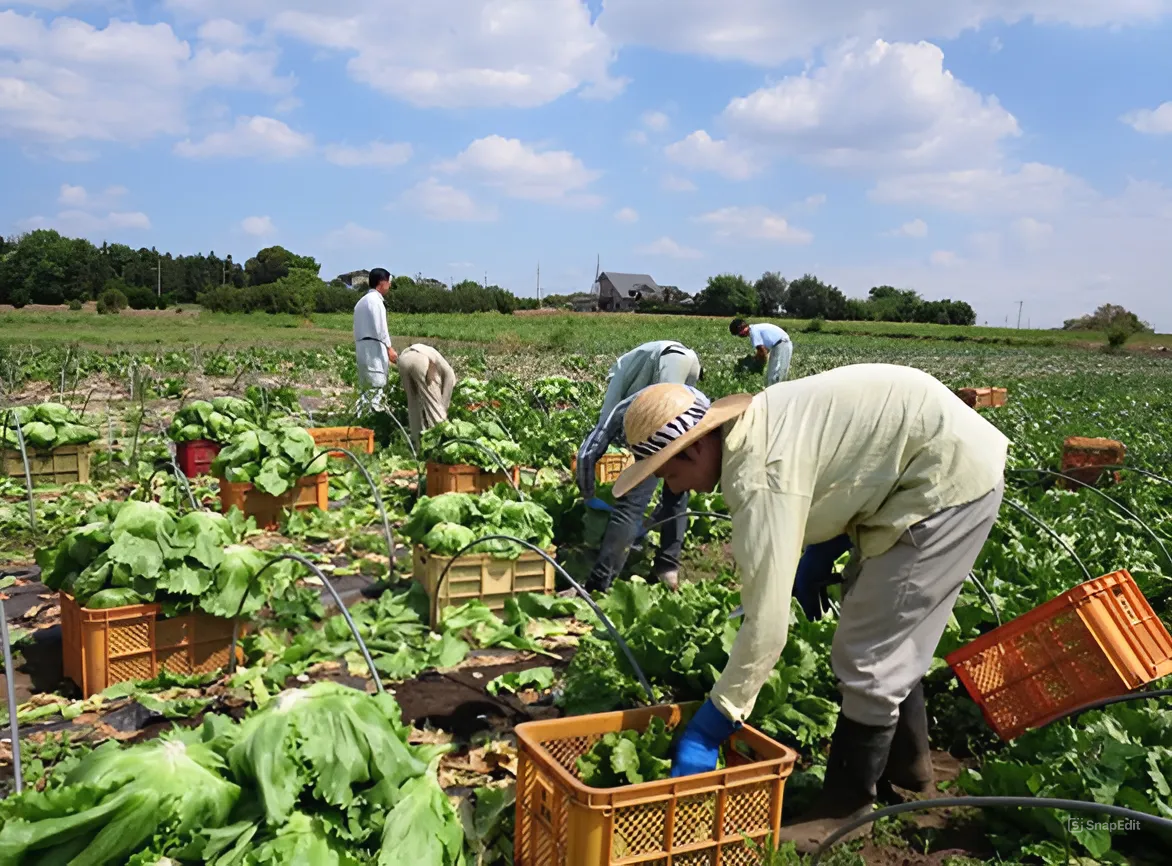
<point>289,103</point>
<point>262,137</point>
<point>475,53</point>
<point>354,236</point>
<point>916,228</point>
<point>67,80</point>
<point>1032,232</point>
<point>376,153</point>
<point>995,45</point>
<point>756,223</point>
<point>637,136</point>
<point>82,223</point>
<point>1152,121</point>
<point>72,195</point>
<point>702,152</point>
<point>79,197</point>
<point>443,203</point>
<point>773,32</point>
<point>656,121</point>
<point>522,171</point>
<point>815,201</point>
<point>258,226</point>
<point>665,246</point>
<point>944,258</point>
<point>627,215</point>
<point>881,106</point>
<point>1034,187</point>
<point>221,31</point>
<point>675,183</point>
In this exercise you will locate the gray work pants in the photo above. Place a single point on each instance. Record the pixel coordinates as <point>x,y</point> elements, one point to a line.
<point>427,397</point>
<point>896,607</point>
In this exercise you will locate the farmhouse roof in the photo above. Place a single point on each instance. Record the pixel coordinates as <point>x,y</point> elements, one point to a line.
<point>626,283</point>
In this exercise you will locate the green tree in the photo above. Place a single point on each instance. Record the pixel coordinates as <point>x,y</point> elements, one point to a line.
<point>1109,317</point>
<point>273,263</point>
<point>889,304</point>
<point>728,295</point>
<point>771,293</point>
<point>809,298</point>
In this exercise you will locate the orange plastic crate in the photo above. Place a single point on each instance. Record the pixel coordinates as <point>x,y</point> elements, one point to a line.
<point>357,439</point>
<point>982,398</point>
<point>114,645</point>
<point>700,819</point>
<point>609,466</point>
<point>1083,459</point>
<point>1097,640</point>
<point>312,491</point>
<point>461,478</point>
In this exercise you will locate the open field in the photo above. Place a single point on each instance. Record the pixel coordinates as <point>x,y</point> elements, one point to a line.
<point>129,375</point>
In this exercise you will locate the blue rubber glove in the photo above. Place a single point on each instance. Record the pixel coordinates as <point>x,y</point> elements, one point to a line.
<point>699,747</point>
<point>816,572</point>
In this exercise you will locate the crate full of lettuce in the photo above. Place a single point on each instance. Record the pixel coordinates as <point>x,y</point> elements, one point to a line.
<point>460,457</point>
<point>201,428</point>
<point>143,590</point>
<point>55,439</point>
<point>439,527</point>
<point>265,473</point>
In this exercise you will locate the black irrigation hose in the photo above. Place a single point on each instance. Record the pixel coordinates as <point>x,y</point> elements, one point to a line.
<point>577,588</point>
<point>1106,702</point>
<point>378,500</point>
<point>987,802</point>
<point>501,463</point>
<point>1114,502</point>
<point>180,479</point>
<point>1051,532</point>
<point>293,557</point>
<point>28,477</point>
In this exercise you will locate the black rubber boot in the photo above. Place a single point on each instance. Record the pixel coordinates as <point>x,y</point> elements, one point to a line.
<point>909,765</point>
<point>858,754</point>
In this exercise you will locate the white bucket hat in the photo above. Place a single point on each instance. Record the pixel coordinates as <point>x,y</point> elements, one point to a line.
<point>665,419</point>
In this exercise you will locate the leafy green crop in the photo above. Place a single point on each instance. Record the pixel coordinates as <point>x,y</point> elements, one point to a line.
<point>628,757</point>
<point>437,448</point>
<point>514,681</point>
<point>47,426</point>
<point>445,524</point>
<point>217,421</point>
<point>273,460</point>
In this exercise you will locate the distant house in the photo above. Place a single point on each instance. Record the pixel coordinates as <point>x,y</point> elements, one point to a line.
<point>355,279</point>
<point>583,303</point>
<point>617,291</point>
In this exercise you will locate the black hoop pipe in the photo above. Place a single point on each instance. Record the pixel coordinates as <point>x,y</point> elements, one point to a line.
<point>499,462</point>
<point>1052,533</point>
<point>180,478</point>
<point>1114,502</point>
<point>1106,702</point>
<point>378,501</point>
<point>987,802</point>
<point>293,557</point>
<point>577,588</point>
<point>10,681</point>
<point>28,475</point>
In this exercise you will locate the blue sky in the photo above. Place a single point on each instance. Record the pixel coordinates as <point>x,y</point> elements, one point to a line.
<point>995,151</point>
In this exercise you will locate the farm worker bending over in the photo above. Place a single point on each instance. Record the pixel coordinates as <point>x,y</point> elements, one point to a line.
<point>664,361</point>
<point>883,454</point>
<point>428,380</point>
<point>769,340</point>
<point>372,341</point>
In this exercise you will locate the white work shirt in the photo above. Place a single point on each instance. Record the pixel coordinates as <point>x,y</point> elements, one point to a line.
<point>868,450</point>
<point>767,335</point>
<point>370,319</point>
<point>640,368</point>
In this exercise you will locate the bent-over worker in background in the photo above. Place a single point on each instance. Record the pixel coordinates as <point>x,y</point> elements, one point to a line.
<point>664,361</point>
<point>372,340</point>
<point>428,379</point>
<point>881,454</point>
<point>769,341</point>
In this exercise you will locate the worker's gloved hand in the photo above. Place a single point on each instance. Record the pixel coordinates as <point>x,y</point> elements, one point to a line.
<point>699,747</point>
<point>816,572</point>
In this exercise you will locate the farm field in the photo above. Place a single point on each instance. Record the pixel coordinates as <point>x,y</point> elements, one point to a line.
<point>455,694</point>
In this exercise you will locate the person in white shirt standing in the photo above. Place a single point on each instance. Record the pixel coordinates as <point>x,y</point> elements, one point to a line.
<point>428,379</point>
<point>769,341</point>
<point>372,340</point>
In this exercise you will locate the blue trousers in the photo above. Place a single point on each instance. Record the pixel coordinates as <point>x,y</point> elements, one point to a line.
<point>623,528</point>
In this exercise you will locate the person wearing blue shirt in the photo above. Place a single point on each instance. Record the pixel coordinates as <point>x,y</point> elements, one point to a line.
<point>770,342</point>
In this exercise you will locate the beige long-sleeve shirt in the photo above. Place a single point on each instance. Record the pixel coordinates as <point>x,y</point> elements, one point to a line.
<point>869,450</point>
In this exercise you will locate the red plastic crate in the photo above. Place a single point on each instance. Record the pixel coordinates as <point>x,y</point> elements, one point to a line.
<point>195,457</point>
<point>1097,640</point>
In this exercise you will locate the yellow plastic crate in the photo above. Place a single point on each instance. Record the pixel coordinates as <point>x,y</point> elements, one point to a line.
<point>66,464</point>
<point>480,576</point>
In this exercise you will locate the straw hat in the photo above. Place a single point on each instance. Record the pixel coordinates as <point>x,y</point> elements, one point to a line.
<point>665,419</point>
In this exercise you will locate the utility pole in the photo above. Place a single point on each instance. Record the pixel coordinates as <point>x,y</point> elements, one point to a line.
<point>159,271</point>
<point>539,284</point>
<point>597,263</point>
<point>1019,303</point>
<point>486,281</point>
